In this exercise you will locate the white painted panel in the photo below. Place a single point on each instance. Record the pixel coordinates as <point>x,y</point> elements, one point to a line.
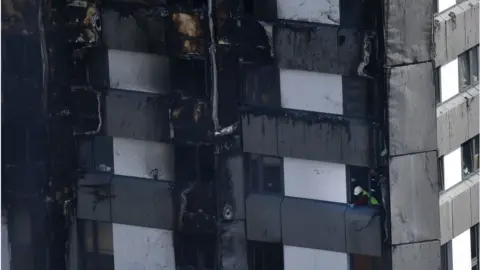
<point>315,180</point>
<point>139,72</point>
<point>452,166</point>
<point>141,248</point>
<point>444,4</point>
<point>461,252</point>
<point>311,91</point>
<point>319,11</point>
<point>296,258</point>
<point>5,247</point>
<point>140,158</point>
<point>449,80</point>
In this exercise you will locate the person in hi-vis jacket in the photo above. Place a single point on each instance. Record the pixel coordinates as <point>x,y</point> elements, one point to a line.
<point>363,197</point>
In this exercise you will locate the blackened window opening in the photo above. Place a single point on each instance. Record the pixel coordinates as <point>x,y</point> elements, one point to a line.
<point>468,68</point>
<point>470,156</point>
<point>474,241</point>
<point>266,174</point>
<point>264,256</point>
<point>189,78</point>
<point>364,179</point>
<point>195,251</point>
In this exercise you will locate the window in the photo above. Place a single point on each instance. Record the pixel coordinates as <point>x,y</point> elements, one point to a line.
<point>446,256</point>
<point>264,256</point>
<point>363,262</point>
<point>468,68</point>
<point>474,239</point>
<point>266,174</point>
<point>441,178</point>
<point>470,156</point>
<point>97,245</point>
<point>438,95</point>
<point>359,177</point>
<point>195,251</point>
<point>452,164</point>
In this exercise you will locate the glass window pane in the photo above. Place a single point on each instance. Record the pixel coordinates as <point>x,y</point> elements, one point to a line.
<point>88,235</point>
<point>463,70</point>
<point>476,153</point>
<point>105,238</point>
<point>474,65</point>
<point>467,164</point>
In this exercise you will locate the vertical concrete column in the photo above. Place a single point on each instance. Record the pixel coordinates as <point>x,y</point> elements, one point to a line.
<point>413,183</point>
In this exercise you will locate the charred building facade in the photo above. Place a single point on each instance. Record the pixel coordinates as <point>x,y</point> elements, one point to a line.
<point>239,134</point>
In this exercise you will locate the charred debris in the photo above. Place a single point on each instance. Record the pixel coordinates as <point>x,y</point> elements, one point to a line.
<point>223,66</point>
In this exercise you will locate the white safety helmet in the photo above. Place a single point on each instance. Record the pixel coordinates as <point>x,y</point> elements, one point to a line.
<point>357,190</point>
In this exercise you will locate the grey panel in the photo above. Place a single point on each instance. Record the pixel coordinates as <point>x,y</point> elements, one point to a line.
<point>136,115</point>
<point>414,198</point>
<point>140,31</point>
<point>408,31</point>
<point>411,107</point>
<point>355,96</point>
<point>416,256</point>
<point>93,197</point>
<point>339,142</point>
<point>141,72</point>
<point>318,47</point>
<point>263,218</point>
<point>364,231</point>
<point>259,134</point>
<point>456,30</point>
<point>457,121</point>
<point>475,203</point>
<point>142,202</point>
<point>446,221</point>
<point>313,224</point>
<point>233,246</point>
<point>461,208</point>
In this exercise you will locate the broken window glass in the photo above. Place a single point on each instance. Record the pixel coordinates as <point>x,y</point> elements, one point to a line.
<point>266,174</point>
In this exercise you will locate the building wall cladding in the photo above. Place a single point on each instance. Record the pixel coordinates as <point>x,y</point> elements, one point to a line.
<point>415,236</point>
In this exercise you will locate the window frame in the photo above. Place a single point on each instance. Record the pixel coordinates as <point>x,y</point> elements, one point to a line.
<point>265,249</point>
<point>474,241</point>
<point>441,174</point>
<point>256,176</point>
<point>472,147</point>
<point>446,256</point>
<point>94,257</point>
<point>470,57</point>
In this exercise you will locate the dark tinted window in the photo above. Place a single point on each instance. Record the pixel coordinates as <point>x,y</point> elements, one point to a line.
<point>470,156</point>
<point>265,256</point>
<point>97,245</point>
<point>266,174</point>
<point>468,68</point>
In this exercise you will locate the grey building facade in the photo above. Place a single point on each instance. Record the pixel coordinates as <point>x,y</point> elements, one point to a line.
<point>232,135</point>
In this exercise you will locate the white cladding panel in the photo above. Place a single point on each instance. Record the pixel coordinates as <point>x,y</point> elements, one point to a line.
<point>138,158</point>
<point>5,247</point>
<point>139,72</point>
<point>315,180</point>
<point>141,248</point>
<point>319,11</point>
<point>452,167</point>
<point>444,4</point>
<point>449,84</point>
<point>296,258</point>
<point>461,252</point>
<point>311,91</point>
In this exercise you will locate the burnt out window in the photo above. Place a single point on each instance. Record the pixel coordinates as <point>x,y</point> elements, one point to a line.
<point>363,262</point>
<point>264,256</point>
<point>261,85</point>
<point>363,179</point>
<point>266,174</point>
<point>468,68</point>
<point>470,156</point>
<point>97,245</point>
<point>195,251</point>
<point>188,78</point>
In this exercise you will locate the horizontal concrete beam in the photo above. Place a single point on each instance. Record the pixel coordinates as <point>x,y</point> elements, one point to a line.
<point>306,135</point>
<point>125,200</point>
<point>459,208</point>
<point>331,226</point>
<point>455,31</point>
<point>457,120</point>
